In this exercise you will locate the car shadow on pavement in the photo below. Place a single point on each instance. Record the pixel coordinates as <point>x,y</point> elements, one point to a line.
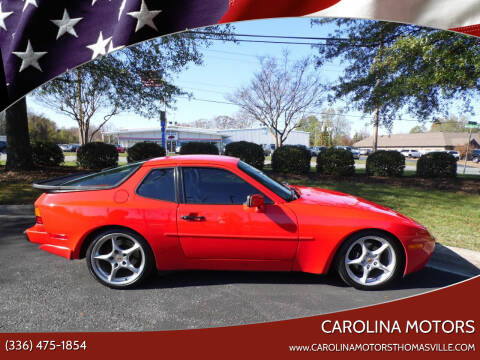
<point>427,278</point>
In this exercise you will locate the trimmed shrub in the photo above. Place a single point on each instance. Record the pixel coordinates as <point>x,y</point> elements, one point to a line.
<point>337,162</point>
<point>385,163</point>
<point>47,154</point>
<point>437,164</point>
<point>143,151</point>
<point>198,148</point>
<point>97,156</point>
<point>291,159</point>
<point>248,152</point>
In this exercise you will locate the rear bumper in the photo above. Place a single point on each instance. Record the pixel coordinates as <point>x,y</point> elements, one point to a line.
<point>52,243</point>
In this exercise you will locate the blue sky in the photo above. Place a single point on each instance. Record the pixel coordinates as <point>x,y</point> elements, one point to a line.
<point>226,67</point>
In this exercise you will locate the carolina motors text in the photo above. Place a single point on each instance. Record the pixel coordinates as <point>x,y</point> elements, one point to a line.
<point>389,327</point>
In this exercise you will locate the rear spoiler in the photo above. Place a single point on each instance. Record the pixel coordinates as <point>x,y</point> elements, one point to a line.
<point>55,184</point>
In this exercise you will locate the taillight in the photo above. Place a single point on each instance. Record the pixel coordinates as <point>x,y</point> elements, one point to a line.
<point>38,218</point>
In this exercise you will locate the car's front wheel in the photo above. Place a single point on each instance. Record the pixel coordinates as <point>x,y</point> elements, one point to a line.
<point>370,260</point>
<point>119,258</point>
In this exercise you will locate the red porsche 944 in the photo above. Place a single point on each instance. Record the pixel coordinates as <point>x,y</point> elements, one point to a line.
<point>219,213</point>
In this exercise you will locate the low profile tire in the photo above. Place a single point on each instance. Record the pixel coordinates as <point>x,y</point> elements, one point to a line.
<point>370,260</point>
<point>120,259</point>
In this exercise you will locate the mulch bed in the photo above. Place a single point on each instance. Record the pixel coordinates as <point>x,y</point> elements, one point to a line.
<point>35,175</point>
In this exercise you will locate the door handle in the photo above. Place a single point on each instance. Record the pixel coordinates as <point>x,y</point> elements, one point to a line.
<point>193,218</point>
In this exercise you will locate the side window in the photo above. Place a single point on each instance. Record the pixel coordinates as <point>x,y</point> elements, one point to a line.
<point>215,186</point>
<point>158,184</point>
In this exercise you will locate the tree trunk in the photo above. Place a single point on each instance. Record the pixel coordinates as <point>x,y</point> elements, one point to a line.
<point>19,151</point>
<point>375,130</point>
<point>81,131</point>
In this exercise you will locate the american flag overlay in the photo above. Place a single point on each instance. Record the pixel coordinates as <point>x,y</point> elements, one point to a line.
<point>40,39</point>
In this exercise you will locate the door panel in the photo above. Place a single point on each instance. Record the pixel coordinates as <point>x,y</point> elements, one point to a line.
<point>214,223</point>
<point>238,232</point>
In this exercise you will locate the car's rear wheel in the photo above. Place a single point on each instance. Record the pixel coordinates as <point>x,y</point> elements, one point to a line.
<point>370,260</point>
<point>119,258</point>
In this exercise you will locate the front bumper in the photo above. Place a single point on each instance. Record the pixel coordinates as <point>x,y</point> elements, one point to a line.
<point>419,251</point>
<point>52,243</point>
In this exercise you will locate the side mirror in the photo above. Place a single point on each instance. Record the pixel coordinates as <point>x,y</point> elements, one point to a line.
<point>255,201</point>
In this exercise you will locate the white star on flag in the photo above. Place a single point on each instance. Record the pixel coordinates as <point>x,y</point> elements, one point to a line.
<point>29,2</point>
<point>144,17</point>
<point>3,16</point>
<point>99,47</point>
<point>66,24</point>
<point>29,57</point>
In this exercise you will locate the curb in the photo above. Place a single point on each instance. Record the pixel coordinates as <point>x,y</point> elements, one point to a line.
<point>455,260</point>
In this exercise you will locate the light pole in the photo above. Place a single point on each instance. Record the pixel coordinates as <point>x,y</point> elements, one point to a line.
<point>154,79</point>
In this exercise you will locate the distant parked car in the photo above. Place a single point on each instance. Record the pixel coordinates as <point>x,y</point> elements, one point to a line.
<point>476,156</point>
<point>3,146</point>
<point>454,153</point>
<point>74,147</point>
<point>315,150</point>
<point>65,147</point>
<point>268,149</point>
<point>365,152</point>
<point>412,153</point>
<point>355,152</point>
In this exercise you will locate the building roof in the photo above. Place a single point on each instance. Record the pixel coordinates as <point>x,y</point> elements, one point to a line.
<point>430,139</point>
<point>188,129</point>
<point>169,128</point>
<point>254,129</point>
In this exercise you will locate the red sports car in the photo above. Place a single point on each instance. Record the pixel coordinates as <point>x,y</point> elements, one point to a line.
<point>217,212</point>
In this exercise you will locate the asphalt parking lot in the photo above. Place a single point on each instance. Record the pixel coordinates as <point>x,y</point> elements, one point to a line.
<point>43,292</point>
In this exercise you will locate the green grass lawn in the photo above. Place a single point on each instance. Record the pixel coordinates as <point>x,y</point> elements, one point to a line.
<point>18,193</point>
<point>452,217</point>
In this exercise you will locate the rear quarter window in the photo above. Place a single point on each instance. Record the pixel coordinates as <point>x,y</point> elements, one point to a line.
<point>159,184</point>
<point>107,178</point>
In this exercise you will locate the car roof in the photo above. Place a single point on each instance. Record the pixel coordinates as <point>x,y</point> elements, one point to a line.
<point>193,159</point>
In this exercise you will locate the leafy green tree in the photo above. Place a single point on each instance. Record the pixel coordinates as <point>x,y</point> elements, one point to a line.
<point>394,68</point>
<point>336,125</point>
<point>312,125</point>
<point>139,78</point>
<point>41,129</point>
<point>418,129</point>
<point>451,124</point>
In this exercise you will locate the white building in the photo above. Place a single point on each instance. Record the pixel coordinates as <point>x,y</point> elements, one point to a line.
<point>263,136</point>
<point>178,135</point>
<point>174,136</point>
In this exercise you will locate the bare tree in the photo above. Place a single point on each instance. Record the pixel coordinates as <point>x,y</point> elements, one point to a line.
<point>238,121</point>
<point>336,125</point>
<point>280,95</point>
<point>79,94</point>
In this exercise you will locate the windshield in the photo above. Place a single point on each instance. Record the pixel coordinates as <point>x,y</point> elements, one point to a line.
<point>111,177</point>
<point>282,191</point>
